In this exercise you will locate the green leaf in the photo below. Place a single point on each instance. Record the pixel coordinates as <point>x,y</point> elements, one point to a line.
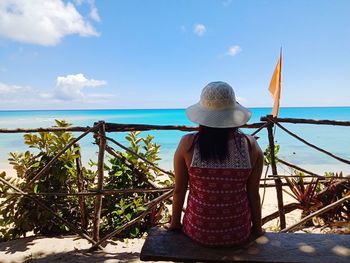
<point>36,164</point>
<point>141,209</point>
<point>128,216</point>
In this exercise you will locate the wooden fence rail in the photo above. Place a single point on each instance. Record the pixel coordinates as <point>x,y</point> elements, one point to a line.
<point>310,144</point>
<point>306,121</point>
<point>118,127</point>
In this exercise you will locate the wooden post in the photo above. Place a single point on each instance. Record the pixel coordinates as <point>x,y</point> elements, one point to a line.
<point>81,188</point>
<point>98,201</point>
<point>278,181</point>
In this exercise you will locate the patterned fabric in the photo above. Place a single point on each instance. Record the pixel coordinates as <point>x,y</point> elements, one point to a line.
<point>218,212</point>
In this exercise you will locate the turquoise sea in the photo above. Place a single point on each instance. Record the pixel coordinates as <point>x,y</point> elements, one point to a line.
<point>331,138</point>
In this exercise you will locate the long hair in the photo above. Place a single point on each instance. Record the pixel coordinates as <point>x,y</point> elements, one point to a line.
<point>213,142</point>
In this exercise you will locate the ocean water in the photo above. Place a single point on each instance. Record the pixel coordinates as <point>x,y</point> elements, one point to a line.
<point>332,138</point>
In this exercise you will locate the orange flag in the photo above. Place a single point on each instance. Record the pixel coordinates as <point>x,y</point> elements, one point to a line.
<point>275,86</point>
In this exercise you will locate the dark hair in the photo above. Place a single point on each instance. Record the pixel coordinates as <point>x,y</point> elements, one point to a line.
<point>213,142</point>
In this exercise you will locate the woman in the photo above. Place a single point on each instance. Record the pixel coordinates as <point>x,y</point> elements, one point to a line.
<point>222,168</point>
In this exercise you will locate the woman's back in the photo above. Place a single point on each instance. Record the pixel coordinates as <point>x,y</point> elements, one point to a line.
<point>224,203</point>
<point>218,210</point>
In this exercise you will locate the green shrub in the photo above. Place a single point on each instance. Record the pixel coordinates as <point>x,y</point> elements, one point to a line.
<point>267,154</point>
<point>22,215</point>
<point>316,194</point>
<point>116,212</point>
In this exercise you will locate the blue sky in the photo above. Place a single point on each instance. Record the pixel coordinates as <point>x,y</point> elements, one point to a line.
<point>85,54</point>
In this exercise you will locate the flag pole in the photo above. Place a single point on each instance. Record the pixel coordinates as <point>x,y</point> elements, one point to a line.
<point>275,90</point>
<point>280,76</point>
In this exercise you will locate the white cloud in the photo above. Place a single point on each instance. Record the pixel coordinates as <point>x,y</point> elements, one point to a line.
<point>94,14</point>
<point>43,22</point>
<point>93,11</point>
<point>16,94</point>
<point>234,50</point>
<point>7,90</point>
<point>71,87</point>
<point>68,88</point>
<point>199,29</point>
<point>78,2</point>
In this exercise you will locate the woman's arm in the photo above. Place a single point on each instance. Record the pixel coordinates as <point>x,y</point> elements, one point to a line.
<point>181,181</point>
<point>253,187</point>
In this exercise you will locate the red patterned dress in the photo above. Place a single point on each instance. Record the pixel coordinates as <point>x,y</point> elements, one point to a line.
<point>218,211</point>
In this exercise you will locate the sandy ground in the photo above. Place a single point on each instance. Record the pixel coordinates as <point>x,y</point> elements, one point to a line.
<point>74,249</point>
<point>68,249</point>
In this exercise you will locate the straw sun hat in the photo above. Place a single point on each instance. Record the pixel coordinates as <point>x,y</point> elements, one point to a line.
<point>218,108</point>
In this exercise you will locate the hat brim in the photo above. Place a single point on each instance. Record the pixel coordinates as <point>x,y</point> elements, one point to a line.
<point>227,118</point>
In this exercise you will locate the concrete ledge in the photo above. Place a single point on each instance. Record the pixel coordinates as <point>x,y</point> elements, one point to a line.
<point>164,245</point>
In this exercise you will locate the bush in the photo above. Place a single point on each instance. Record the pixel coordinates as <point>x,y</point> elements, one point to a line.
<point>117,212</point>
<point>317,194</point>
<point>22,215</point>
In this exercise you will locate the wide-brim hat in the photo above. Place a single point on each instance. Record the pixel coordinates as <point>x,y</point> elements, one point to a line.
<point>218,107</point>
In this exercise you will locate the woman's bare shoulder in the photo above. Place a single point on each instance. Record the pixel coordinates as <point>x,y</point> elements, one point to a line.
<point>252,141</point>
<point>189,137</point>
<point>187,140</point>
